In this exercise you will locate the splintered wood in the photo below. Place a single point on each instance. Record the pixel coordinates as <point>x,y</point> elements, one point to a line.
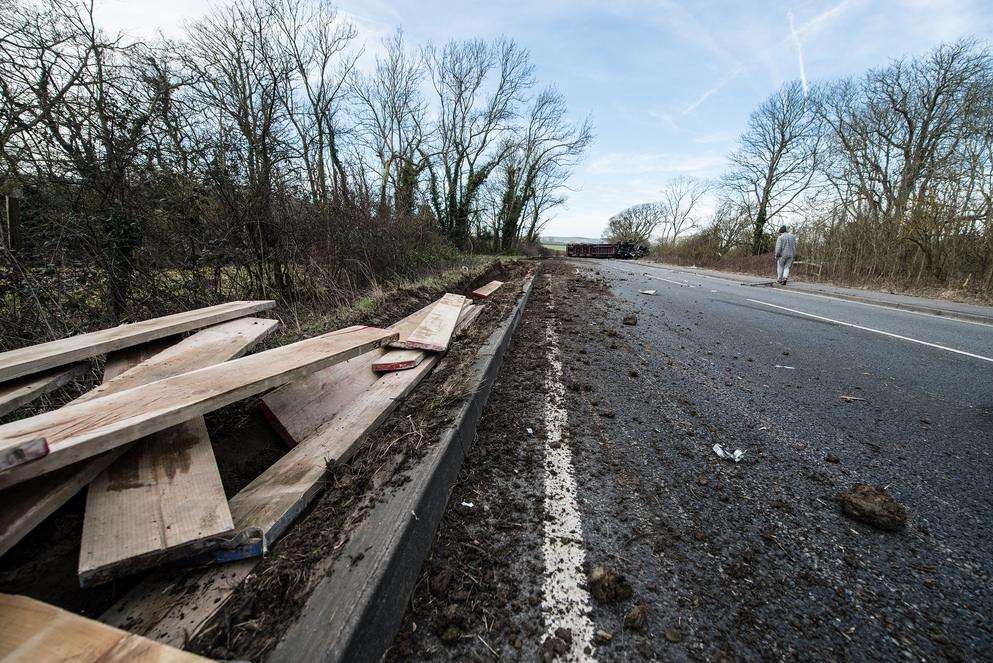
<point>80,431</point>
<point>34,631</point>
<point>35,358</point>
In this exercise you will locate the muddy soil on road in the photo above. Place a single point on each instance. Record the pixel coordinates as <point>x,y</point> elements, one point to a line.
<point>711,559</point>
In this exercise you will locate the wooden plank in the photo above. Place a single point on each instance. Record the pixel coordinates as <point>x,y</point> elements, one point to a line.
<point>398,360</point>
<point>298,409</point>
<point>486,290</point>
<point>22,391</point>
<point>173,606</point>
<point>435,331</point>
<point>35,358</point>
<point>80,431</point>
<point>24,506</point>
<point>277,496</point>
<point>402,360</point>
<point>34,631</point>
<point>160,501</point>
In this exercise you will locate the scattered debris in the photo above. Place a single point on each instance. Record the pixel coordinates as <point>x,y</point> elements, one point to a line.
<point>874,506</point>
<point>791,368</point>
<point>850,399</point>
<point>603,637</point>
<point>723,453</point>
<point>552,648</point>
<point>831,458</point>
<point>530,431</point>
<point>630,319</point>
<point>647,292</point>
<point>608,586</point>
<point>468,505</point>
<point>634,620</point>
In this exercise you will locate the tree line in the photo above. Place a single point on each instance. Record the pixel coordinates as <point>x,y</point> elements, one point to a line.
<point>259,155</point>
<point>887,175</point>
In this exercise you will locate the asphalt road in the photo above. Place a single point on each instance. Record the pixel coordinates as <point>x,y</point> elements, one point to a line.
<point>613,424</point>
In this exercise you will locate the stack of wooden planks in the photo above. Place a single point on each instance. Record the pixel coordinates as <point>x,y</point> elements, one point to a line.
<point>139,445</point>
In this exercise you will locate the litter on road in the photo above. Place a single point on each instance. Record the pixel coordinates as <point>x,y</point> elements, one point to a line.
<point>723,453</point>
<point>647,292</point>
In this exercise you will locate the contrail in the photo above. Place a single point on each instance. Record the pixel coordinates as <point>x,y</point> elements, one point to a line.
<point>799,53</point>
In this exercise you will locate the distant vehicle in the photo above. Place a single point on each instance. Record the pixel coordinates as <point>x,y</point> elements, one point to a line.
<point>615,250</point>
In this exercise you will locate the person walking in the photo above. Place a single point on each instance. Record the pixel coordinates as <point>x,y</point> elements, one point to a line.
<point>785,254</point>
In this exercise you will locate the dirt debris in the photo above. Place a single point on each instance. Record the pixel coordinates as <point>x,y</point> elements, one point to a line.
<point>874,506</point>
<point>608,586</point>
<point>630,319</point>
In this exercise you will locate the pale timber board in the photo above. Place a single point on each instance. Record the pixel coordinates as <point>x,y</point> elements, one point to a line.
<point>271,502</point>
<point>24,506</point>
<point>296,410</point>
<point>31,631</point>
<point>173,606</point>
<point>435,331</point>
<point>402,360</point>
<point>486,290</point>
<point>76,432</point>
<point>35,358</point>
<point>161,500</point>
<point>22,391</point>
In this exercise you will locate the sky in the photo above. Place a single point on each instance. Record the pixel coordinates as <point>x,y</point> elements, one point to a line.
<point>667,84</point>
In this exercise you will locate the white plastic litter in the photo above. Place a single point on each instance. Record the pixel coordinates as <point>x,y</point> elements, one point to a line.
<point>792,368</point>
<point>723,453</point>
<point>468,505</point>
<point>647,292</point>
<point>530,431</point>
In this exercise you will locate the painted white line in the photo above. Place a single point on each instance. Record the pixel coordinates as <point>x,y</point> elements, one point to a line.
<point>566,602</point>
<point>875,331</point>
<point>889,308</point>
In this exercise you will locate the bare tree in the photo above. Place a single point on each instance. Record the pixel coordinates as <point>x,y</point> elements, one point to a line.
<point>478,88</point>
<point>680,203</point>
<point>549,142</point>
<point>392,120</point>
<point>776,159</point>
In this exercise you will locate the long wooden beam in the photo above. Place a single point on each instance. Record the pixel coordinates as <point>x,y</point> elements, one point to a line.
<point>22,391</point>
<point>24,506</point>
<point>76,432</point>
<point>402,360</point>
<point>35,358</point>
<point>436,329</point>
<point>34,631</point>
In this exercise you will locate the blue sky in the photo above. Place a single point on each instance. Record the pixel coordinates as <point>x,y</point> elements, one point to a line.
<point>668,84</point>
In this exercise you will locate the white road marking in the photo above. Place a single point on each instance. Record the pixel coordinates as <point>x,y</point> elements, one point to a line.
<point>950,315</point>
<point>566,602</point>
<point>875,331</point>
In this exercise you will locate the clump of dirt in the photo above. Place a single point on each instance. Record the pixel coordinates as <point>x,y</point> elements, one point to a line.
<point>608,586</point>
<point>874,506</point>
<point>630,319</point>
<point>634,620</point>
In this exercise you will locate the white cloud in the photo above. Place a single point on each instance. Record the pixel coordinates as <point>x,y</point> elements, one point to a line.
<point>635,163</point>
